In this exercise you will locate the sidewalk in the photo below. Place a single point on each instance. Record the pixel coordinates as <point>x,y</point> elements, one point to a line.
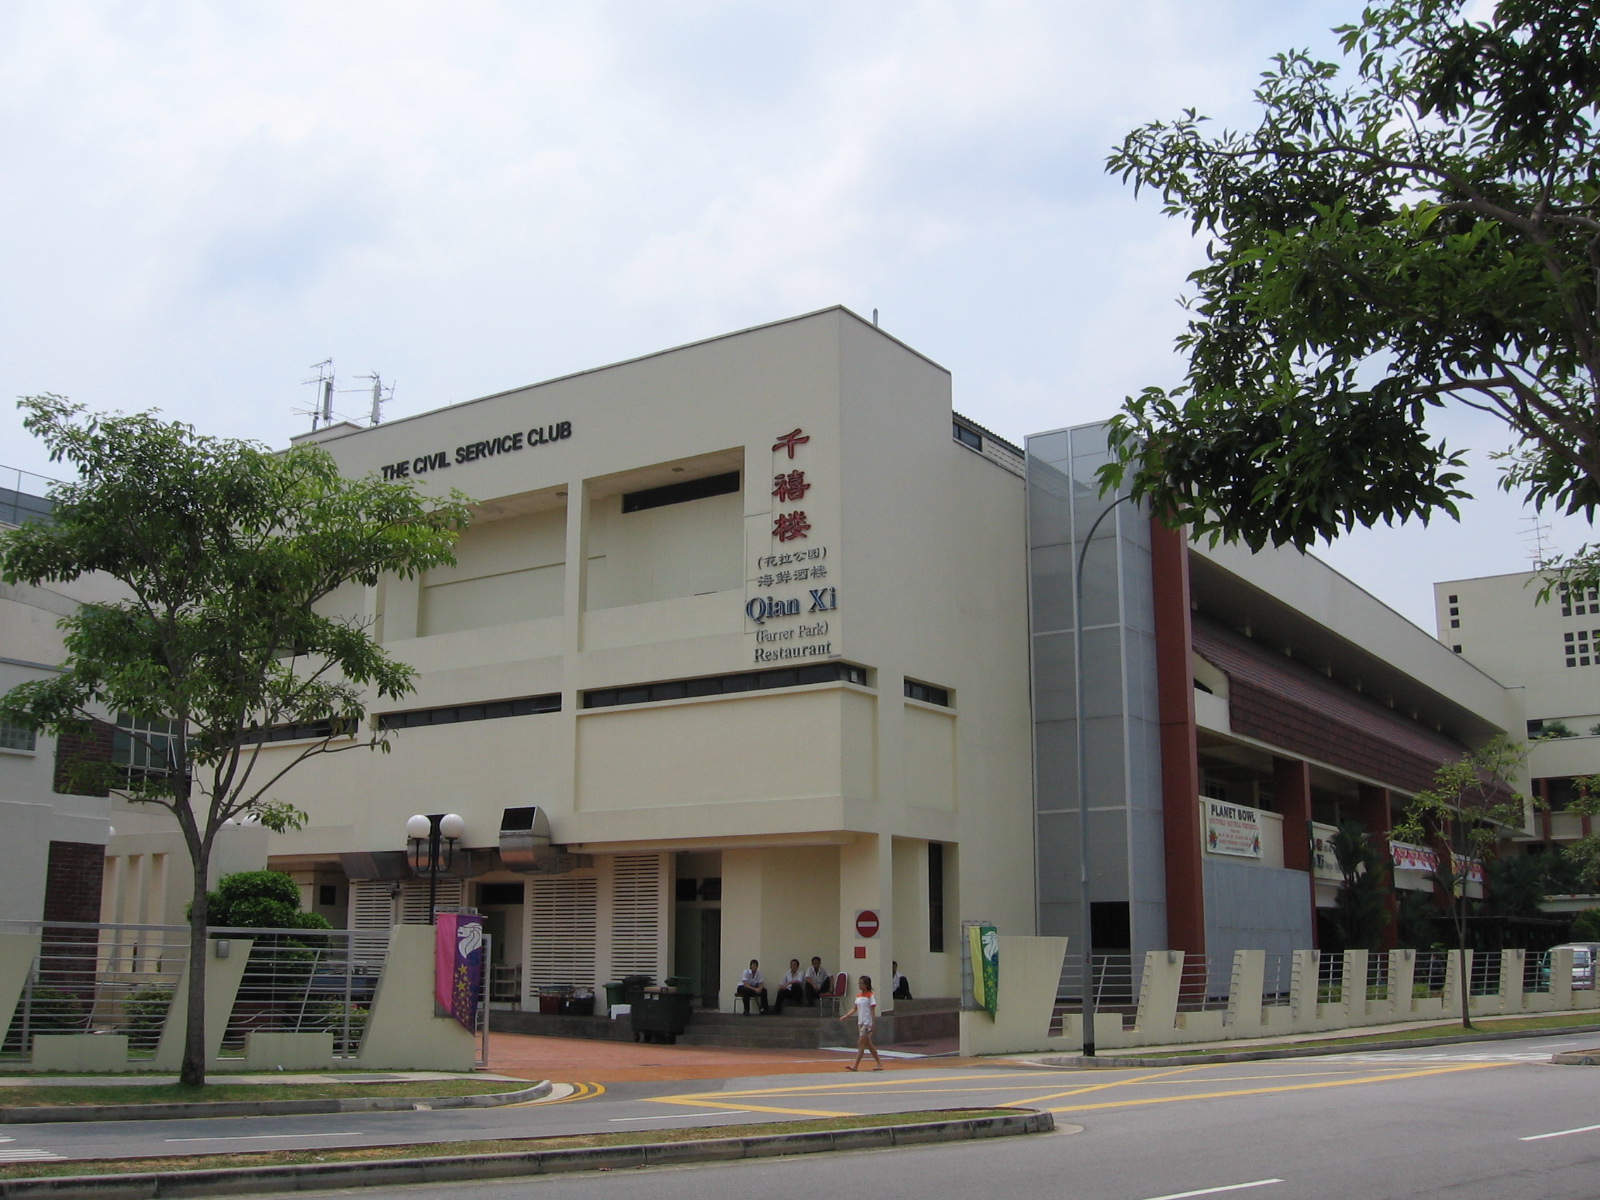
<point>580,1060</point>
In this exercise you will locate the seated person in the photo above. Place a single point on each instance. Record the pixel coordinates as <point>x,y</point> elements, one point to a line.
<point>816,981</point>
<point>752,986</point>
<point>899,985</point>
<point>791,989</point>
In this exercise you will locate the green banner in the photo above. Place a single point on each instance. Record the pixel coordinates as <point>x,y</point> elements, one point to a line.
<point>984,944</point>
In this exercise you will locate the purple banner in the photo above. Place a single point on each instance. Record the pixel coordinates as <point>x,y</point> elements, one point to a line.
<point>458,965</point>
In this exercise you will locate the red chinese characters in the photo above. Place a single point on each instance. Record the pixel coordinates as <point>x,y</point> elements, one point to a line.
<point>786,527</point>
<point>791,487</point>
<point>789,441</point>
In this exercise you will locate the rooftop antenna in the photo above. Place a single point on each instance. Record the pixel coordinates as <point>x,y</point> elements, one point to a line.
<point>874,318</point>
<point>1539,549</point>
<point>322,407</point>
<point>381,395</point>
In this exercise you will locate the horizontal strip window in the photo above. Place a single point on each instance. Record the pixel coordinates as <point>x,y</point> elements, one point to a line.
<point>681,493</point>
<point>524,706</point>
<point>967,437</point>
<point>723,685</point>
<point>297,732</point>
<point>927,693</point>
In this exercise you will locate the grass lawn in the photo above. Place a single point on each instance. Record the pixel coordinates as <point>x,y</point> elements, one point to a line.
<point>1446,1029</point>
<point>273,1158</point>
<point>42,1096</point>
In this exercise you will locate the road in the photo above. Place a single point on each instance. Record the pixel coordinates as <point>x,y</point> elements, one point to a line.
<point>1487,1119</point>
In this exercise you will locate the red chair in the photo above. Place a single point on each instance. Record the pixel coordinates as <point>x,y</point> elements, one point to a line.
<point>834,1001</point>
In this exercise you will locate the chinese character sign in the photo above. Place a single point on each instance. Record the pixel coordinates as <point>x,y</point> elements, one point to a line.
<point>458,966</point>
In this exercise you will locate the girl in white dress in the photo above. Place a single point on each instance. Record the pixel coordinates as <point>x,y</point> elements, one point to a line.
<point>866,1015</point>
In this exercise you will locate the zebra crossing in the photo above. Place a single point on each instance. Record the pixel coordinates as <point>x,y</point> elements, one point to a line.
<point>9,1153</point>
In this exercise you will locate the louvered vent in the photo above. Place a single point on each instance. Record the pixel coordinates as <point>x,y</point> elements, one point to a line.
<point>561,931</point>
<point>637,940</point>
<point>371,916</point>
<point>451,894</point>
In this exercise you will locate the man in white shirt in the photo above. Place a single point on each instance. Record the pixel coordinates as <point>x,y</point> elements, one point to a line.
<point>752,985</point>
<point>816,981</point>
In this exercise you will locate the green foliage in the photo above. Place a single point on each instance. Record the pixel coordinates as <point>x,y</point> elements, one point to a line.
<point>1361,908</point>
<point>260,900</point>
<point>147,1013</point>
<point>1471,806</point>
<point>1586,926</point>
<point>1516,885</point>
<point>1412,229</point>
<point>224,551</point>
<point>1555,730</point>
<point>1414,921</point>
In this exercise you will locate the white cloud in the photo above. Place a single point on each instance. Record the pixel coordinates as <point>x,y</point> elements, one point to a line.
<point>206,198</point>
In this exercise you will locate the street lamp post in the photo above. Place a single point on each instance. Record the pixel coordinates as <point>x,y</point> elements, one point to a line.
<point>1085,922</point>
<point>430,846</point>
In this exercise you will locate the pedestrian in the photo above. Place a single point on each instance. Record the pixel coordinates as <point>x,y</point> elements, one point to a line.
<point>752,987</point>
<point>866,1015</point>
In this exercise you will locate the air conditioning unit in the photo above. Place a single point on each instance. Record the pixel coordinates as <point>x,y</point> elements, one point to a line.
<point>525,844</point>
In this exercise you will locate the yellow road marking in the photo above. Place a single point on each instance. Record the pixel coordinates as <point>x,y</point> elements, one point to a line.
<point>865,1083</point>
<point>581,1091</point>
<point>1100,1087</point>
<point>1293,1087</point>
<point>791,1112</point>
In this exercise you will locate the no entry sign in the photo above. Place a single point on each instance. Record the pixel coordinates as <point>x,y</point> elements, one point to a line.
<point>866,923</point>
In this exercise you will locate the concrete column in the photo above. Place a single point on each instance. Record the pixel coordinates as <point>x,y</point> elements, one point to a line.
<point>1158,992</point>
<point>1511,967</point>
<point>1180,761</point>
<point>1291,779</point>
<point>1402,978</point>
<point>1244,991</point>
<point>866,881</point>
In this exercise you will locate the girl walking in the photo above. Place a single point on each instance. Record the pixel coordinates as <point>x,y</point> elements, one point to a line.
<point>866,1015</point>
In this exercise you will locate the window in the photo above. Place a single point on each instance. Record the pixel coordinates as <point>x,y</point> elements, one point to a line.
<point>1457,649</point>
<point>935,897</point>
<point>1452,599</point>
<point>145,746</point>
<point>1580,648</point>
<point>721,685</point>
<point>454,714</point>
<point>1455,623</point>
<point>927,693</point>
<point>1579,602</point>
<point>15,737</point>
<point>681,493</point>
<point>967,437</point>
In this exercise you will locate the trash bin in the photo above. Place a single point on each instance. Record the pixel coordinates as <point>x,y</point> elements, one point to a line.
<point>579,1004</point>
<point>633,987</point>
<point>550,999</point>
<point>661,1016</point>
<point>614,995</point>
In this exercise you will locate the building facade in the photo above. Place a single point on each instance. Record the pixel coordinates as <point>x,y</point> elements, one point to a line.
<point>1548,649</point>
<point>742,622</point>
<point>1239,707</point>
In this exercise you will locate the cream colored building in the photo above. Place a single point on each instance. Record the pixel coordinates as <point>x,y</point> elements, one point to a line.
<point>1550,651</point>
<point>745,621</point>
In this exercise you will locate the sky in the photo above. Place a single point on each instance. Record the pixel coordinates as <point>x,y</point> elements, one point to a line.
<point>203,200</point>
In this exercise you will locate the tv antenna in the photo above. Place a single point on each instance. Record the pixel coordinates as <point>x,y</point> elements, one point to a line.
<point>322,408</point>
<point>1535,537</point>
<point>381,394</point>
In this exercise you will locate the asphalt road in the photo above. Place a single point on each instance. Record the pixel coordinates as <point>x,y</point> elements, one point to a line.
<point>1487,1119</point>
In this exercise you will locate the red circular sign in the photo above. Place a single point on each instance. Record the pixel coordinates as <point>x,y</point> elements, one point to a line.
<point>866,923</point>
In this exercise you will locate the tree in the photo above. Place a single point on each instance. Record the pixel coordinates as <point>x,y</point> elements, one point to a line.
<point>1360,906</point>
<point>224,550</point>
<point>260,900</point>
<point>1425,234</point>
<point>1463,815</point>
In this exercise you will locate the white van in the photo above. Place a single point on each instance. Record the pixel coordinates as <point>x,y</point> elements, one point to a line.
<point>1584,955</point>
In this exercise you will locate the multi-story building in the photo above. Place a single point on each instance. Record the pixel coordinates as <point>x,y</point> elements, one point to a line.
<point>742,621</point>
<point>1239,708</point>
<point>1548,647</point>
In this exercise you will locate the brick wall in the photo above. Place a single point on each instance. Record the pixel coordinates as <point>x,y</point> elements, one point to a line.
<point>72,881</point>
<point>75,750</point>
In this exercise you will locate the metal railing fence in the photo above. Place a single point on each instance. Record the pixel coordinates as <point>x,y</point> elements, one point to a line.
<point>305,981</point>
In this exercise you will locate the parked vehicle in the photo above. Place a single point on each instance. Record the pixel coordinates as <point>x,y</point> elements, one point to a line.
<point>1584,956</point>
